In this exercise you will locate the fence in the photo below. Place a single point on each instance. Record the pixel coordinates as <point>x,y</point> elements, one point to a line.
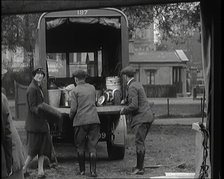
<point>158,91</point>
<point>173,109</point>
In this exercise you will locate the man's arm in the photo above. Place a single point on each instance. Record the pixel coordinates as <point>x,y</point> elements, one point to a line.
<point>132,101</point>
<point>74,105</point>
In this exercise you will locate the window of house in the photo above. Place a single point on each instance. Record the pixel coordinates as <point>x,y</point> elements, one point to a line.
<point>176,74</point>
<point>150,76</point>
<point>137,75</point>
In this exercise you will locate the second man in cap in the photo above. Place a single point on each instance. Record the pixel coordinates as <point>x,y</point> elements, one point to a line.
<point>86,122</point>
<point>141,115</point>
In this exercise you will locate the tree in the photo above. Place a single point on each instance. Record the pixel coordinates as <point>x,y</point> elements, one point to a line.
<point>11,31</point>
<point>177,22</point>
<point>138,17</point>
<point>19,31</point>
<point>174,21</point>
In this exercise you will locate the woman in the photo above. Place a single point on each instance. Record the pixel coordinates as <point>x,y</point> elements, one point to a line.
<point>36,125</point>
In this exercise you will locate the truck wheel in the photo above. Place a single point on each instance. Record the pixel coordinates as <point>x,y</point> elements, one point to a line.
<point>116,139</point>
<point>115,152</point>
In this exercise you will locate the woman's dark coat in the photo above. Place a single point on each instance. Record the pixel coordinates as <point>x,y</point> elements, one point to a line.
<point>35,122</point>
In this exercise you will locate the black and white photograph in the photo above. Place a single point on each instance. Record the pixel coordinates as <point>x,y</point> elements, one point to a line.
<point>111,89</point>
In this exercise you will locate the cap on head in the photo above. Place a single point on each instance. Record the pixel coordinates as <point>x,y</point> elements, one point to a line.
<point>80,74</point>
<point>38,70</point>
<point>129,71</point>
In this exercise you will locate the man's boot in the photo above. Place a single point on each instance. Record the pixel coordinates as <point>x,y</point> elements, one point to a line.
<point>139,169</point>
<point>81,160</point>
<point>92,161</point>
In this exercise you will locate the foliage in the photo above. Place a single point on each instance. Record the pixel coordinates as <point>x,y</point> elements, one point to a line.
<point>19,31</point>
<point>177,21</point>
<point>11,31</point>
<point>173,21</point>
<point>139,17</point>
<point>23,76</point>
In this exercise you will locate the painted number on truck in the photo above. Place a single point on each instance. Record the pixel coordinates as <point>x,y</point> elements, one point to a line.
<point>82,12</point>
<point>103,135</point>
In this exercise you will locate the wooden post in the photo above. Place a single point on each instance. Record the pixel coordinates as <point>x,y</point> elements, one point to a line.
<point>201,107</point>
<point>168,110</point>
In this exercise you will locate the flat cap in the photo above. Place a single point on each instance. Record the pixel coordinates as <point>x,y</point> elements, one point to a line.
<point>38,70</point>
<point>80,74</point>
<point>128,70</point>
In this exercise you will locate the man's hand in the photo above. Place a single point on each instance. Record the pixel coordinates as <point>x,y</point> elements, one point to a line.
<point>123,101</point>
<point>10,172</point>
<point>122,111</point>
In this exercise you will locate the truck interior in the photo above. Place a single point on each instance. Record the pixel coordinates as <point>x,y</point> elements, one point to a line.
<point>91,44</point>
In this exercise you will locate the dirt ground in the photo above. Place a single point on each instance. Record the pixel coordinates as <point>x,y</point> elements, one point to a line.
<point>172,147</point>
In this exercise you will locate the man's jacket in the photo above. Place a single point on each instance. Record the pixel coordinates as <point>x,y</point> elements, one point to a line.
<point>83,109</point>
<point>137,104</point>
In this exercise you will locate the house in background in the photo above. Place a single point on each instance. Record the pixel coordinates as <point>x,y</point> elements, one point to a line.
<point>162,73</point>
<point>163,70</point>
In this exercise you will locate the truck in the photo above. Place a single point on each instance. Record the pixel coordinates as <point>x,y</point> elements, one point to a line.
<point>94,40</point>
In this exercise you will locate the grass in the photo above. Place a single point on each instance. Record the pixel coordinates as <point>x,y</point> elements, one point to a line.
<point>177,110</point>
<point>171,147</point>
<point>164,116</point>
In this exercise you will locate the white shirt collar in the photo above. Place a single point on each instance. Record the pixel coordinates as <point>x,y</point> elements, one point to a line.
<point>130,80</point>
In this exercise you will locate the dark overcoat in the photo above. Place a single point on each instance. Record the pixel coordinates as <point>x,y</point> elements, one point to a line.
<point>35,122</point>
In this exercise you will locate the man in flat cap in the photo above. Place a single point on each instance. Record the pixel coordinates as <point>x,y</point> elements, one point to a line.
<point>139,110</point>
<point>86,122</point>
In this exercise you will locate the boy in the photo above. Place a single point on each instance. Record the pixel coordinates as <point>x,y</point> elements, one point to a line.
<point>86,122</point>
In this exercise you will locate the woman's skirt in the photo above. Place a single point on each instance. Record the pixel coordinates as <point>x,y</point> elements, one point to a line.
<point>39,144</point>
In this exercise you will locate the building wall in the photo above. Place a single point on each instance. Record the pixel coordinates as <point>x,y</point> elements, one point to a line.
<point>163,74</point>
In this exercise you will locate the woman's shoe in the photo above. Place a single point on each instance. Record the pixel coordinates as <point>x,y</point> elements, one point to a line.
<point>137,171</point>
<point>53,165</point>
<point>26,174</point>
<point>39,176</point>
<point>81,173</point>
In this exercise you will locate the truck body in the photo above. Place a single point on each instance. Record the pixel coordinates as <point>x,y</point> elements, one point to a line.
<point>95,40</point>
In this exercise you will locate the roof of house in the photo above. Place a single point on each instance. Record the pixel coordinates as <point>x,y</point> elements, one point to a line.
<point>177,56</point>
